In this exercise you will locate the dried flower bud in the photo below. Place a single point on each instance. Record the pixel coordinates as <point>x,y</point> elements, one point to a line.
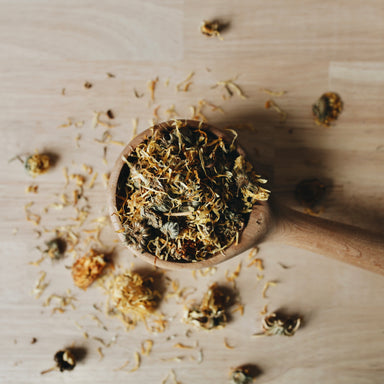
<point>327,108</point>
<point>212,311</point>
<point>310,192</point>
<point>56,248</point>
<point>37,164</point>
<point>171,229</point>
<point>65,360</point>
<point>211,28</point>
<point>276,324</point>
<point>241,375</point>
<point>88,268</point>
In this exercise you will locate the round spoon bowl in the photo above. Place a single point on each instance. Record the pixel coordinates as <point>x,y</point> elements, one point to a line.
<point>253,232</point>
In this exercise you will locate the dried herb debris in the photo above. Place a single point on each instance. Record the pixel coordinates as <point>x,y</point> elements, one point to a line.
<point>211,313</point>
<point>88,268</point>
<point>327,108</point>
<point>186,194</point>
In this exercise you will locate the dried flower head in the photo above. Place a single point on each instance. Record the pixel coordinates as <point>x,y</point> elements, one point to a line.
<point>241,375</point>
<point>211,313</point>
<point>276,324</point>
<point>134,295</point>
<point>327,108</point>
<point>56,248</point>
<point>88,268</point>
<point>65,361</point>
<point>185,194</point>
<point>310,192</point>
<point>211,28</point>
<point>37,164</point>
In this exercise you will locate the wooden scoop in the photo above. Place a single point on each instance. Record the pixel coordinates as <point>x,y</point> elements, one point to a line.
<point>270,221</point>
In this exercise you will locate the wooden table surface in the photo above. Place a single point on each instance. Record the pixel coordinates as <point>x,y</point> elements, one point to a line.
<point>303,47</point>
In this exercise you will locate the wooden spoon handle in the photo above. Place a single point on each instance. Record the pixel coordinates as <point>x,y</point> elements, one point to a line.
<point>340,241</point>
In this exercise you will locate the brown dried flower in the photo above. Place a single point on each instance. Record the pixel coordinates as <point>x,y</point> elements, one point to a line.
<point>212,311</point>
<point>327,108</point>
<point>88,268</point>
<point>241,375</point>
<point>65,361</point>
<point>310,192</point>
<point>211,28</point>
<point>276,324</point>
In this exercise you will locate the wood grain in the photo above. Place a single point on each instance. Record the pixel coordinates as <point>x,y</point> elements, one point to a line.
<point>305,48</point>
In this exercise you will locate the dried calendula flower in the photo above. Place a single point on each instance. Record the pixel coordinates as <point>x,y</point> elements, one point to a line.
<point>241,375</point>
<point>277,324</point>
<point>310,192</point>
<point>327,108</point>
<point>211,313</point>
<point>211,28</point>
<point>88,268</point>
<point>37,164</point>
<point>65,361</point>
<point>56,248</point>
<point>133,292</point>
<point>185,194</point>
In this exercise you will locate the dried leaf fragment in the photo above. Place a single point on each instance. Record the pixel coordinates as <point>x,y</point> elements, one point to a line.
<point>88,268</point>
